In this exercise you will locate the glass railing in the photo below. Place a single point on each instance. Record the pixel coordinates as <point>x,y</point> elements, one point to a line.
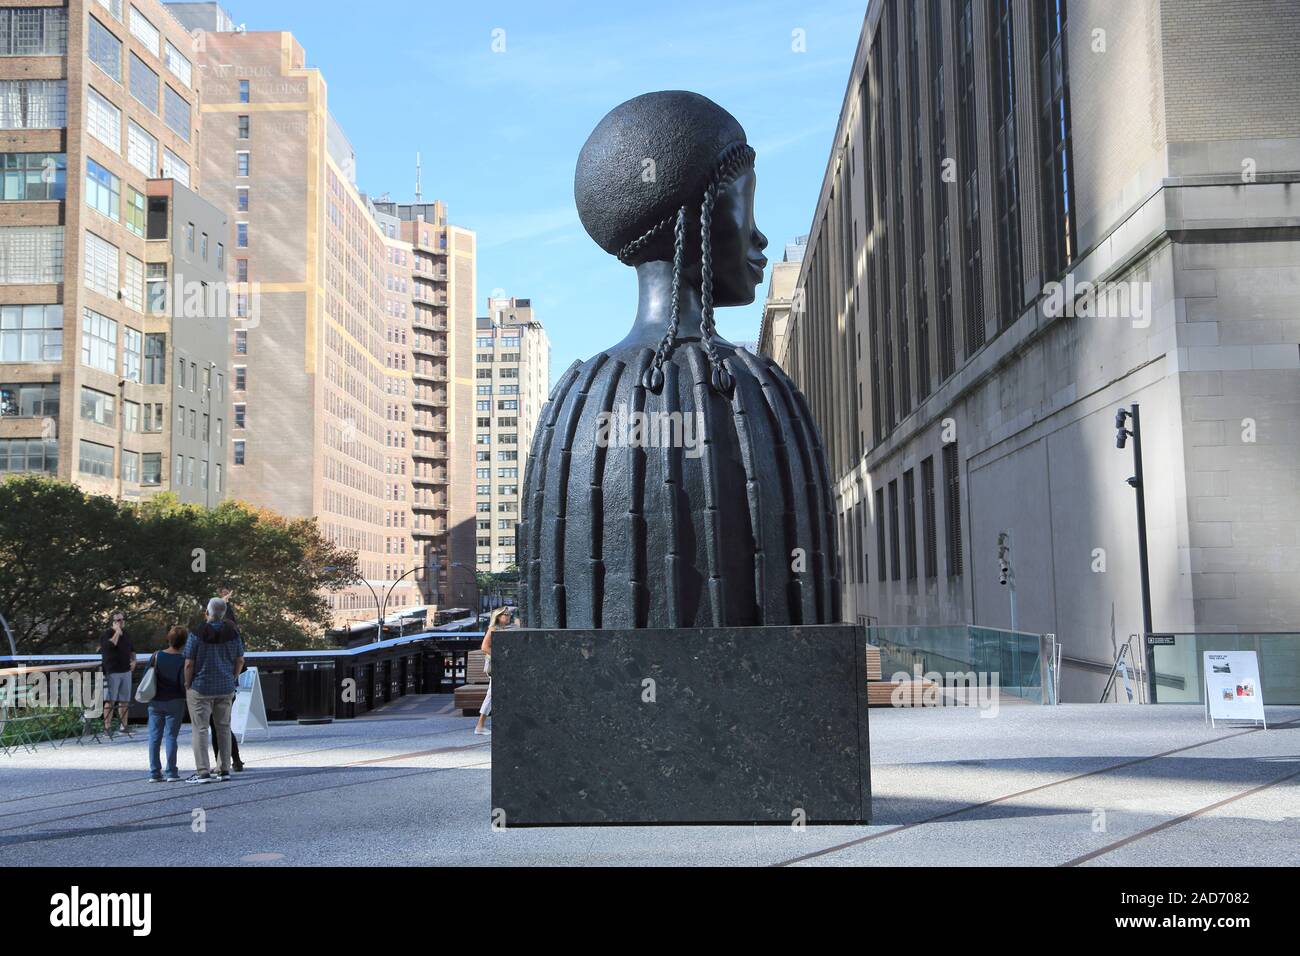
<point>1021,661</point>
<point>1180,664</point>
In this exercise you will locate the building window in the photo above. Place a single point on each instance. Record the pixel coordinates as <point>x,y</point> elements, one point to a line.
<point>24,400</point>
<point>1007,191</point>
<point>968,166</point>
<point>175,168</point>
<point>1055,158</point>
<point>178,64</point>
<point>241,270</point>
<point>144,84</point>
<point>952,507</point>
<point>176,112</point>
<point>98,341</point>
<point>103,190</point>
<point>155,359</point>
<point>133,284</point>
<point>241,415</point>
<point>221,256</point>
<point>29,455</point>
<point>97,407</point>
<point>151,468</point>
<point>135,215</point>
<point>241,198</point>
<point>244,127</point>
<point>33,104</point>
<point>33,176</point>
<point>101,266</point>
<point>141,149</point>
<point>145,32</point>
<point>189,237</point>
<point>241,342</point>
<point>239,452</point>
<point>895,566</point>
<point>131,466</point>
<point>241,378</point>
<point>157,288</point>
<point>103,120</point>
<point>243,91</point>
<point>242,162</point>
<point>95,459</point>
<point>31,255</point>
<point>928,529</point>
<point>203,246</point>
<point>31,333</point>
<point>132,346</point>
<point>241,235</point>
<point>909,523</point>
<point>880,534</point>
<point>104,49</point>
<point>33,31</point>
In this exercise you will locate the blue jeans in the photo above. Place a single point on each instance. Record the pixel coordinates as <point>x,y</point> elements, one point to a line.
<point>165,717</point>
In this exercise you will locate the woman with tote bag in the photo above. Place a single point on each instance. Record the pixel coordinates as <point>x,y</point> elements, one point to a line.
<point>166,705</point>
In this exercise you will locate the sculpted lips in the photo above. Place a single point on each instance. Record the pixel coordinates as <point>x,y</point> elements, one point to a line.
<point>758,265</point>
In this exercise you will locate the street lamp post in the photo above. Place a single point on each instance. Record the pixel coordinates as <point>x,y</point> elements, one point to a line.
<point>383,607</point>
<point>1131,418</point>
<point>1006,575</point>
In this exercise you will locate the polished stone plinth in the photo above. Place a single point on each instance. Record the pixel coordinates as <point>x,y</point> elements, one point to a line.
<point>688,725</point>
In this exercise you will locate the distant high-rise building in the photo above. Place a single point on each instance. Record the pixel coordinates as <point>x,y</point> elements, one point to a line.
<point>321,362</point>
<point>780,302</point>
<point>512,368</point>
<point>441,322</point>
<point>112,269</point>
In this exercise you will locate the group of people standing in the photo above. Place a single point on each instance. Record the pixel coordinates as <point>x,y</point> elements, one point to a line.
<point>197,672</point>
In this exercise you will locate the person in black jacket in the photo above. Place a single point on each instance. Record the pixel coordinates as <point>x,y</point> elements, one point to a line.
<point>118,656</point>
<point>236,763</point>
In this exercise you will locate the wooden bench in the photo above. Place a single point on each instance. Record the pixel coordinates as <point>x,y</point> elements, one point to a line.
<point>469,696</point>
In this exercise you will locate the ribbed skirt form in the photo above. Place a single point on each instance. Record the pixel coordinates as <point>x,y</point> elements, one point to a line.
<point>627,528</point>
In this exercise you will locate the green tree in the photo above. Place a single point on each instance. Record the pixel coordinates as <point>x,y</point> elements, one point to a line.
<point>67,559</point>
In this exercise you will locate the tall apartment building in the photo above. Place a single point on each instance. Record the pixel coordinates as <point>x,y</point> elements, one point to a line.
<point>442,274</point>
<point>512,370</point>
<point>990,158</point>
<point>321,376</point>
<point>112,268</point>
<point>772,339</point>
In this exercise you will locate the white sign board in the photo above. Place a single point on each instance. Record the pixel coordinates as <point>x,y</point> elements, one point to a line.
<point>249,710</point>
<point>1232,690</point>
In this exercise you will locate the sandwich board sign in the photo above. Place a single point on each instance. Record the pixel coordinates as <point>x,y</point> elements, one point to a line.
<point>1232,690</point>
<point>249,710</point>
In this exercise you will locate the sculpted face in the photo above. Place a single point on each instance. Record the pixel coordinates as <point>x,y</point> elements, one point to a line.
<point>738,259</point>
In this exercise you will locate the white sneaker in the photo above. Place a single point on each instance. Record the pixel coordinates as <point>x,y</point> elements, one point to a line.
<point>483,731</point>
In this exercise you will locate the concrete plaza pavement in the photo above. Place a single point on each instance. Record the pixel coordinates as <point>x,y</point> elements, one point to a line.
<point>1081,784</point>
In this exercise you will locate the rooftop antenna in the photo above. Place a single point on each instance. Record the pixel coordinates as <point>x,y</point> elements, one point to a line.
<point>418,196</point>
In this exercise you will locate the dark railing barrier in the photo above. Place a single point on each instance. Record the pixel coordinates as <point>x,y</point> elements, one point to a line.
<point>365,677</point>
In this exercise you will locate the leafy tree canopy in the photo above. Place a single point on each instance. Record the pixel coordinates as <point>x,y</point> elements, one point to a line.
<point>68,559</point>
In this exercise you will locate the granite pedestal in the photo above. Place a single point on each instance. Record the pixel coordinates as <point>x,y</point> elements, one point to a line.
<point>680,726</point>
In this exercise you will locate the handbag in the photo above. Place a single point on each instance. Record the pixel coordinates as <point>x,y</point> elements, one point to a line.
<point>149,683</point>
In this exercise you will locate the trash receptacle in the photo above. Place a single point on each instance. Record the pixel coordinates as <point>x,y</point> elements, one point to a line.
<point>315,691</point>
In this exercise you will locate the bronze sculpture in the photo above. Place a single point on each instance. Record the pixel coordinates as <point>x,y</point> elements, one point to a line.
<point>716,508</point>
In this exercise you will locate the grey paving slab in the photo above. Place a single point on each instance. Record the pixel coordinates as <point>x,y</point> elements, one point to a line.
<point>1098,785</point>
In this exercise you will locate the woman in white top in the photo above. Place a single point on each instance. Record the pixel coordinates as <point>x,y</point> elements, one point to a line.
<point>499,621</point>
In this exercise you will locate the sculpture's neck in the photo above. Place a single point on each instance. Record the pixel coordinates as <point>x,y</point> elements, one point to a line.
<point>655,303</point>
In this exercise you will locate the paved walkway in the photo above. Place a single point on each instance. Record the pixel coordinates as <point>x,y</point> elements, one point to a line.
<point>1084,784</point>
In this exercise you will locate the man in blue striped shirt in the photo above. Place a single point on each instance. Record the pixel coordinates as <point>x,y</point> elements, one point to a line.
<point>214,656</point>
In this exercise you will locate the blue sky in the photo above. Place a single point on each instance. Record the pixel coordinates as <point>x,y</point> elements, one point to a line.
<point>499,132</point>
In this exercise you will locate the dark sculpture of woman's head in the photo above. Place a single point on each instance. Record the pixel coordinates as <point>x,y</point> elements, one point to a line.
<point>669,177</point>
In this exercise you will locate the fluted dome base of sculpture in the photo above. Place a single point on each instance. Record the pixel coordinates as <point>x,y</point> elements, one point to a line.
<point>717,512</point>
